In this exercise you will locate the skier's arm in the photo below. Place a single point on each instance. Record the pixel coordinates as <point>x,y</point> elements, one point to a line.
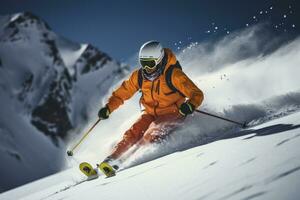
<point>125,91</point>
<point>186,86</point>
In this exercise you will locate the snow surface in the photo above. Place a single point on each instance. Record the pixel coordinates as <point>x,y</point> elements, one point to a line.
<point>70,53</point>
<point>261,162</point>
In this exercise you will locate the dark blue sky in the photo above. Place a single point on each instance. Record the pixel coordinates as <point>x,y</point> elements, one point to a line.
<point>120,27</point>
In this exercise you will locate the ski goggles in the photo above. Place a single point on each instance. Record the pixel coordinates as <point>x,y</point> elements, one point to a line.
<point>149,63</point>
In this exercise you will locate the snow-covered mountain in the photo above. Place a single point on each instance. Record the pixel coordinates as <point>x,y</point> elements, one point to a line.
<point>48,86</point>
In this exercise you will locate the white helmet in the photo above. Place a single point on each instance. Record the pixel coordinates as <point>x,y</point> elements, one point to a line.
<point>150,55</point>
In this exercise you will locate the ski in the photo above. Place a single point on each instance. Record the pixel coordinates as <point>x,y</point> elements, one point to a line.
<point>92,173</point>
<point>107,169</point>
<point>88,170</point>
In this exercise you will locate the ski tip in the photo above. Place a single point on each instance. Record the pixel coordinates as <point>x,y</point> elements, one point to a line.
<point>70,153</point>
<point>88,170</point>
<point>107,169</point>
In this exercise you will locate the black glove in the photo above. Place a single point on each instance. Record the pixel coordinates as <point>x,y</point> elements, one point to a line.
<point>186,108</point>
<point>103,113</point>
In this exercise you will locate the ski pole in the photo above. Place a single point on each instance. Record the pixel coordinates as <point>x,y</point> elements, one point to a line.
<point>70,152</point>
<point>243,125</point>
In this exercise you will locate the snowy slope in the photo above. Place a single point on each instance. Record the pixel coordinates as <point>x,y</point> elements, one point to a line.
<point>251,84</point>
<point>261,162</point>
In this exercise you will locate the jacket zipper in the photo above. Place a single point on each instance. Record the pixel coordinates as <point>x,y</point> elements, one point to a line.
<point>154,109</point>
<point>158,87</point>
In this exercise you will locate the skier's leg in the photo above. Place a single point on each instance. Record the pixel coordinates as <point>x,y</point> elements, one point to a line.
<point>132,135</point>
<point>162,127</point>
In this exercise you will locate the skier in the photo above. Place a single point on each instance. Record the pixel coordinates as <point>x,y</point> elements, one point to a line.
<point>168,96</point>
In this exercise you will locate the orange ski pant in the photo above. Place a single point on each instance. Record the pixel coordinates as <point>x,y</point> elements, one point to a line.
<point>147,129</point>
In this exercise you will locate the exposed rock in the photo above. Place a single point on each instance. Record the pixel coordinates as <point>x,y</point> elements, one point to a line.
<point>91,60</point>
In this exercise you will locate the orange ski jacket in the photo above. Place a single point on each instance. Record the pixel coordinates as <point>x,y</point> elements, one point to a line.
<point>157,97</point>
